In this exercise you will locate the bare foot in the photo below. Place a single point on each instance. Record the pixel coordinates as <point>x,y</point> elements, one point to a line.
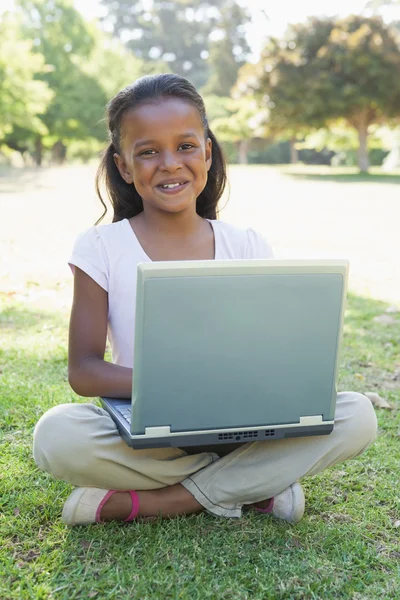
<point>166,502</point>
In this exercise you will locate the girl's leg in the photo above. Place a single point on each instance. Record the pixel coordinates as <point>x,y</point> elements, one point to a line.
<point>80,444</point>
<point>261,470</point>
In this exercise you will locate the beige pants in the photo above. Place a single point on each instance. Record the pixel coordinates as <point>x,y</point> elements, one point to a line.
<point>80,444</point>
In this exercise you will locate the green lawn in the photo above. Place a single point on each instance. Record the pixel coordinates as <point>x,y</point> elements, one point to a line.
<point>347,545</point>
<point>341,174</point>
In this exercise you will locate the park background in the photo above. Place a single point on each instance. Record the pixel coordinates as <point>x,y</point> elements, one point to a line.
<point>306,100</point>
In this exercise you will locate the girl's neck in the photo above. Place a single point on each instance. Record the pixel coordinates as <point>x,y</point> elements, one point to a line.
<point>178,225</point>
<point>176,237</point>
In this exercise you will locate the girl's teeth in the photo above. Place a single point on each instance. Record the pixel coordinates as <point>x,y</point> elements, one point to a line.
<point>171,185</point>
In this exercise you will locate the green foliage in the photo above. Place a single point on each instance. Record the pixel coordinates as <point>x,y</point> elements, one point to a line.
<point>65,40</point>
<point>241,122</point>
<point>84,150</point>
<point>113,66</point>
<point>230,151</point>
<point>342,139</point>
<point>70,70</point>
<point>22,96</point>
<point>363,55</point>
<point>339,136</point>
<point>348,158</point>
<point>216,107</point>
<point>22,139</point>
<point>242,119</point>
<point>263,152</point>
<point>324,70</point>
<point>181,33</point>
<point>228,53</point>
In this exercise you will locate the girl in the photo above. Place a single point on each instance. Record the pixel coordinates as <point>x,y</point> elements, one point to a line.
<point>164,172</point>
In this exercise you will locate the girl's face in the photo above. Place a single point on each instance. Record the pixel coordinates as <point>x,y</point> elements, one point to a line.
<point>165,154</point>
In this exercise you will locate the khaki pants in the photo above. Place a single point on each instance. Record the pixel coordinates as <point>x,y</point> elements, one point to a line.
<point>80,444</point>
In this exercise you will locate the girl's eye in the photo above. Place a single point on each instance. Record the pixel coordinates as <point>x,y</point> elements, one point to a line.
<point>150,152</point>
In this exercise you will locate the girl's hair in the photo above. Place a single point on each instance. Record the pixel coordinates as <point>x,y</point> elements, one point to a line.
<point>125,200</point>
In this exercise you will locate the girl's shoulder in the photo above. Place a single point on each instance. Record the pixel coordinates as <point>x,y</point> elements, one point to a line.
<point>109,237</point>
<point>97,249</point>
<point>106,231</point>
<point>239,242</point>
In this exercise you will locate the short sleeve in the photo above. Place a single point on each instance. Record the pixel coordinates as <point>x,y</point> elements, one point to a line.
<point>257,245</point>
<point>89,255</point>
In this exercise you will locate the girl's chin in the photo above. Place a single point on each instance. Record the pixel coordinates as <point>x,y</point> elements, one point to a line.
<point>179,208</point>
<point>172,205</point>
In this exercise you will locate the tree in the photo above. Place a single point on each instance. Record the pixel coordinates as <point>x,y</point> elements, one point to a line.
<point>178,32</point>
<point>325,70</point>
<point>114,66</point>
<point>83,67</point>
<point>242,122</point>
<point>229,51</point>
<point>22,97</point>
<point>66,41</point>
<point>280,81</point>
<point>342,139</point>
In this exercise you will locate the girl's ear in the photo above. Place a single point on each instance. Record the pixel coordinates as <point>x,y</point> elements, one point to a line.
<point>122,168</point>
<point>208,153</point>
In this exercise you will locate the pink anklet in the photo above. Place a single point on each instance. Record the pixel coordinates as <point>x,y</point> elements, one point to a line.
<point>132,514</point>
<point>135,507</point>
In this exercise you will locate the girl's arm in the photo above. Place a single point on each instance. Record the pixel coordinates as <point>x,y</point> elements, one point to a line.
<point>88,373</point>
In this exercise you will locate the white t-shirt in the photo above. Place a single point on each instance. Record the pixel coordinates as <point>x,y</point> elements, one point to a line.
<point>109,254</point>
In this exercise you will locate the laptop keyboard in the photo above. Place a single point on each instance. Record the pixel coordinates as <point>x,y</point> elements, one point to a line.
<point>126,412</point>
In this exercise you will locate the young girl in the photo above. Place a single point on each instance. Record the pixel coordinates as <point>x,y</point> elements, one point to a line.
<point>165,173</point>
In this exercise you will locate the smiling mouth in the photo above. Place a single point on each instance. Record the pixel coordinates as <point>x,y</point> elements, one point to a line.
<point>172,187</point>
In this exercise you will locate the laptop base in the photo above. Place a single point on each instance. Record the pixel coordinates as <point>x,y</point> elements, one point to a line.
<point>185,439</point>
<point>213,438</point>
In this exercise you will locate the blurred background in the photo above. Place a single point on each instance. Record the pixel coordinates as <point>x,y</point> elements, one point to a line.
<point>304,96</point>
<point>283,82</point>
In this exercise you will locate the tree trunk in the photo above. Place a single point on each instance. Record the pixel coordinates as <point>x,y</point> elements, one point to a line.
<point>243,150</point>
<point>294,154</point>
<point>38,154</point>
<point>363,160</point>
<point>392,160</point>
<point>58,152</point>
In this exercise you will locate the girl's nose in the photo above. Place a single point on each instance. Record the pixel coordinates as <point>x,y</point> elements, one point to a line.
<point>170,161</point>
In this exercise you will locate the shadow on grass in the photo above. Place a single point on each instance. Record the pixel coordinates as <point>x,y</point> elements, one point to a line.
<point>380,178</point>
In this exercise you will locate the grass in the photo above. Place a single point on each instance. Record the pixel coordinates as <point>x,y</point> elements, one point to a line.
<point>341,174</point>
<point>347,546</point>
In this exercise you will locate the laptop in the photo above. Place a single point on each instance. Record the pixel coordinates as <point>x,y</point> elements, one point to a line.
<point>233,351</point>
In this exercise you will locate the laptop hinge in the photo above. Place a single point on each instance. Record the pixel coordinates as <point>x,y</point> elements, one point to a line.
<point>157,431</point>
<point>313,420</point>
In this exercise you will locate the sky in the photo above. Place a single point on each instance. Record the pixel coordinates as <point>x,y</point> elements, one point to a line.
<point>270,17</point>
